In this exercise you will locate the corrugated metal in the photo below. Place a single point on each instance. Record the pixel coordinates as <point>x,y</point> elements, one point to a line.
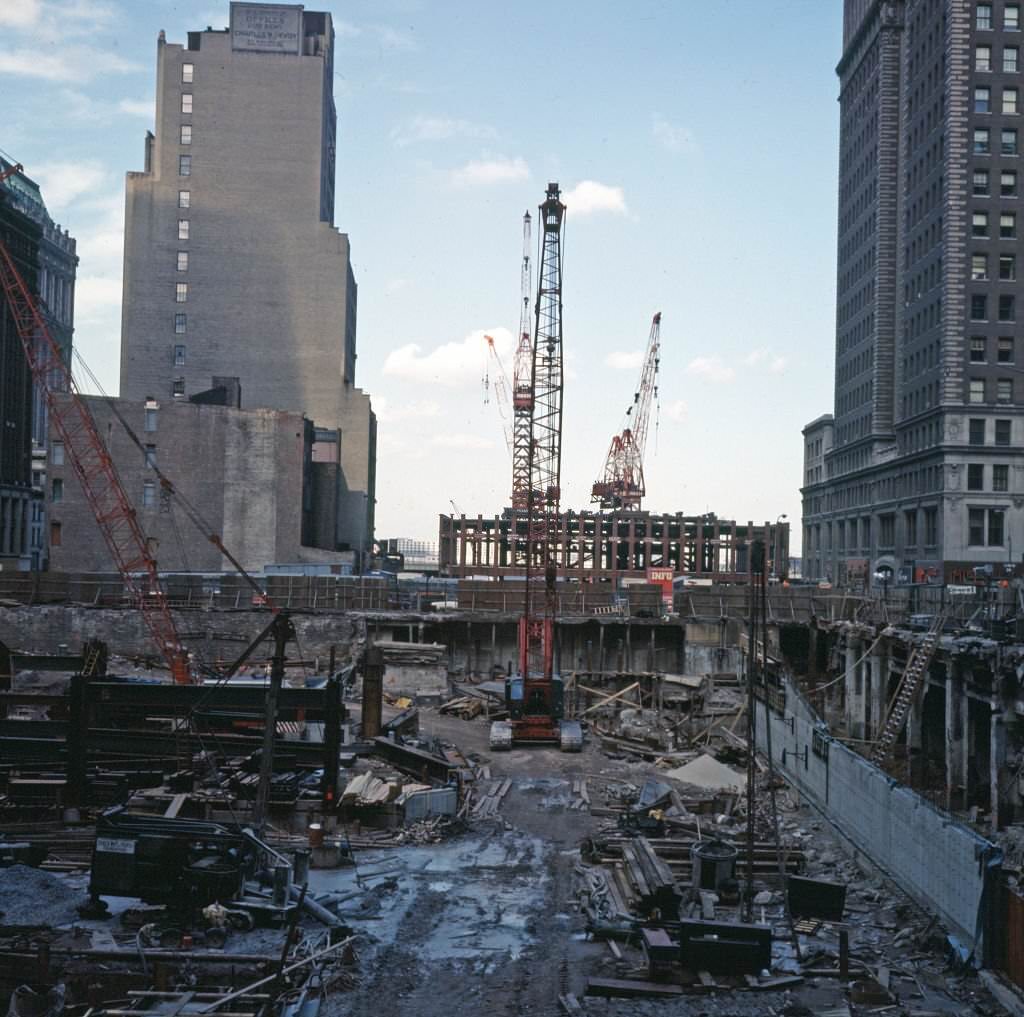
<point>442,801</point>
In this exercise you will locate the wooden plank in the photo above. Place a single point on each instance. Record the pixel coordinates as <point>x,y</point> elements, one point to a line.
<point>620,988</point>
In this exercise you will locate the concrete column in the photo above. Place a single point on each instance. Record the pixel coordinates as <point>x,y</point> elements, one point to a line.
<point>915,721</point>
<point>879,688</point>
<point>956,711</point>
<point>852,718</point>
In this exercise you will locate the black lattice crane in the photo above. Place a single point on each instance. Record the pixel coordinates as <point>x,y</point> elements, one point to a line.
<point>534,698</point>
<point>522,384</point>
<point>621,484</point>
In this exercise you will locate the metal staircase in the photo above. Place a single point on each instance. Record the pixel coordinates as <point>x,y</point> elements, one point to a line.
<point>906,692</point>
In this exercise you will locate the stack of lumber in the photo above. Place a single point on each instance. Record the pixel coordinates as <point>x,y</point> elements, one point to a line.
<point>466,707</point>
<point>653,882</point>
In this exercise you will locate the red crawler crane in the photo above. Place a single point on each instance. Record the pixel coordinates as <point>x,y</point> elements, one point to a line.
<point>622,482</point>
<point>534,697</point>
<point>92,463</point>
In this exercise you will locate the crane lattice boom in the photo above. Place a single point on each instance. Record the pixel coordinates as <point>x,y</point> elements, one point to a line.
<point>621,484</point>
<point>93,466</point>
<point>522,384</point>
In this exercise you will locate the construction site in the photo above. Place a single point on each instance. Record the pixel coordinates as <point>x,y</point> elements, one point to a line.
<point>606,762</point>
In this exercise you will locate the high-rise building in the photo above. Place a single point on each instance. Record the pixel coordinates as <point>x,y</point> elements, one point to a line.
<point>924,480</point>
<point>233,267</point>
<point>46,259</point>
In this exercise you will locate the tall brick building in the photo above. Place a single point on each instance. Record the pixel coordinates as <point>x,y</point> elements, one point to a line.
<point>923,477</point>
<point>233,267</point>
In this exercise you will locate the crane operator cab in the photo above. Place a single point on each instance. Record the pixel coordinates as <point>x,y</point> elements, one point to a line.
<point>536,716</point>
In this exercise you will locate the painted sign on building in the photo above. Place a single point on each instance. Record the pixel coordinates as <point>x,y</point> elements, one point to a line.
<point>266,28</point>
<point>662,578</point>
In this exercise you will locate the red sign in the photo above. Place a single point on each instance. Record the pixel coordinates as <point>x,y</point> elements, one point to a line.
<point>662,578</point>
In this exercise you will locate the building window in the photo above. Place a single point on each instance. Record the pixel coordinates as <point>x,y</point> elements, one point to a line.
<point>1008,184</point>
<point>1003,432</point>
<point>1007,307</point>
<point>57,453</point>
<point>887,530</point>
<point>1004,390</point>
<point>179,355</point>
<point>57,490</point>
<point>186,102</point>
<point>183,229</point>
<point>980,183</point>
<point>975,477</point>
<point>188,73</point>
<point>184,199</point>
<point>181,292</point>
<point>978,349</point>
<point>979,224</point>
<point>55,534</point>
<point>976,527</point>
<point>1000,478</point>
<point>1007,225</point>
<point>1010,100</point>
<point>983,99</point>
<point>149,457</point>
<point>1007,267</point>
<point>865,533</point>
<point>977,390</point>
<point>148,494</point>
<point>979,307</point>
<point>995,527</point>
<point>178,387</point>
<point>180,323</point>
<point>976,429</point>
<point>184,165</point>
<point>979,266</point>
<point>1008,141</point>
<point>983,58</point>
<point>983,17</point>
<point>910,525</point>
<point>1010,59</point>
<point>981,141</point>
<point>931,527</point>
<point>150,420</point>
<point>1011,18</point>
<point>186,134</point>
<point>1004,352</point>
<point>182,262</point>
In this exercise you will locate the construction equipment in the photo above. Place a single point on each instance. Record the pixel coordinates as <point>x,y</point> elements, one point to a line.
<point>534,696</point>
<point>71,419</point>
<point>903,698</point>
<point>500,386</point>
<point>621,484</point>
<point>522,384</point>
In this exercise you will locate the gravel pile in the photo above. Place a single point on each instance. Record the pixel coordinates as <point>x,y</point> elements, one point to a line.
<point>33,897</point>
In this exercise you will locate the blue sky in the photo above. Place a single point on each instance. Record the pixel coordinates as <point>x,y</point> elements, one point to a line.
<point>697,145</point>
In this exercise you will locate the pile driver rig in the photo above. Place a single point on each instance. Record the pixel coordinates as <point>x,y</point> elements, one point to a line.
<point>534,697</point>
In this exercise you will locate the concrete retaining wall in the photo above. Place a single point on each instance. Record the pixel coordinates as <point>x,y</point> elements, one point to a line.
<point>943,864</point>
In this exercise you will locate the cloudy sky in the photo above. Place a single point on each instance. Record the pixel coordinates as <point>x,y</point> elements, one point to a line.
<point>696,144</point>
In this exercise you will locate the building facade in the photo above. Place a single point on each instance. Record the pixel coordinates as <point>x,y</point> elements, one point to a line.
<point>925,477</point>
<point>251,474</point>
<point>233,266</point>
<point>52,278</point>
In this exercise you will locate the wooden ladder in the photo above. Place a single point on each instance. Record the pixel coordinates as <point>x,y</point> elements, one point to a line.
<point>906,692</point>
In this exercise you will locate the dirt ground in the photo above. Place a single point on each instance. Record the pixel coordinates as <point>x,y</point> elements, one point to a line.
<point>486,924</point>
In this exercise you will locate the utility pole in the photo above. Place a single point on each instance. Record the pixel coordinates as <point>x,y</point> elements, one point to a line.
<point>282,630</point>
<point>748,897</point>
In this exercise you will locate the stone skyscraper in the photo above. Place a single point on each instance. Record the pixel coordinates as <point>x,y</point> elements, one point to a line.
<point>918,473</point>
<point>233,267</point>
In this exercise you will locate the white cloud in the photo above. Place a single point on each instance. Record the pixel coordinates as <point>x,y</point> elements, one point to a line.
<point>19,13</point>
<point>95,297</point>
<point>672,136</point>
<point>63,182</point>
<point>625,361</point>
<point>490,171</point>
<point>589,196</point>
<point>391,38</point>
<point>138,107</point>
<point>451,364</point>
<point>677,410</point>
<point>73,63</point>
<point>461,441</point>
<point>407,411</point>
<point>712,368</point>
<point>763,356</point>
<point>420,129</point>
